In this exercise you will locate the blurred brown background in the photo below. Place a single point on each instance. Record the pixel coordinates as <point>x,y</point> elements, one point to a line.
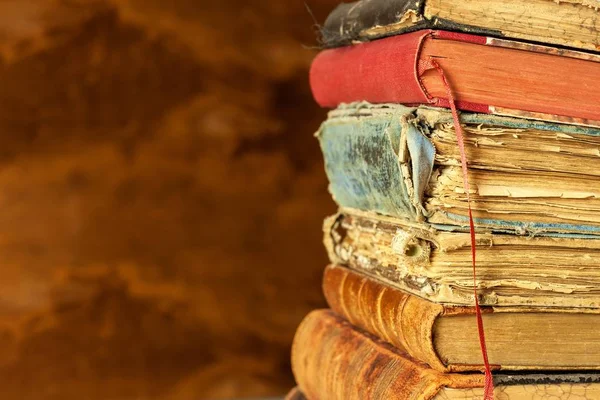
<point>161,196</point>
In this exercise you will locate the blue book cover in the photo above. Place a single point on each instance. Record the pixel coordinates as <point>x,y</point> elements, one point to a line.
<point>527,177</point>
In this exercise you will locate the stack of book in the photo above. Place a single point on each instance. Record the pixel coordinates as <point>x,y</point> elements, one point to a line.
<point>402,322</point>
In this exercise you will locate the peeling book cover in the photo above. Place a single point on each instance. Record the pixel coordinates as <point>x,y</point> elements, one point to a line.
<point>403,162</point>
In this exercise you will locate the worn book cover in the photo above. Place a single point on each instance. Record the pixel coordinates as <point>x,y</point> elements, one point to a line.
<point>527,177</point>
<point>511,270</point>
<point>333,360</point>
<point>572,23</point>
<point>446,338</point>
<point>485,75</point>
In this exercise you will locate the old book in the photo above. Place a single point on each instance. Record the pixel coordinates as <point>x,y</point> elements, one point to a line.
<point>511,270</point>
<point>486,75</point>
<point>527,177</point>
<point>446,338</point>
<point>571,23</point>
<point>333,360</point>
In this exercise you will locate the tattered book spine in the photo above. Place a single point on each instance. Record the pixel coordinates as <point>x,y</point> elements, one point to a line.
<point>362,20</point>
<point>516,270</point>
<point>380,164</point>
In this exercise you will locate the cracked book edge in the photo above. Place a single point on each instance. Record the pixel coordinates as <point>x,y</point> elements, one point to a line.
<point>365,20</point>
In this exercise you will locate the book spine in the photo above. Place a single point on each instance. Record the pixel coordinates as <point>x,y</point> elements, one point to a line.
<point>348,21</point>
<point>400,319</point>
<point>378,72</point>
<point>331,360</point>
<point>381,163</point>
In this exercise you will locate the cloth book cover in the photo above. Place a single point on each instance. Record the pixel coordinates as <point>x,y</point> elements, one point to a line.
<point>485,75</point>
<point>528,177</point>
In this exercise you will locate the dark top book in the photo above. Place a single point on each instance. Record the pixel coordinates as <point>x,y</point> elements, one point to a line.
<point>572,23</point>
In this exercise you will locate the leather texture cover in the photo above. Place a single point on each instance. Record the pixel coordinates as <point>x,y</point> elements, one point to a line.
<point>408,321</point>
<point>346,22</point>
<point>332,360</point>
<point>397,317</point>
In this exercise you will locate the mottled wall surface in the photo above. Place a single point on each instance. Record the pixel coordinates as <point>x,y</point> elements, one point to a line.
<point>161,196</point>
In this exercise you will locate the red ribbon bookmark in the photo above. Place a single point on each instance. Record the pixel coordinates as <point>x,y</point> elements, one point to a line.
<point>488,393</point>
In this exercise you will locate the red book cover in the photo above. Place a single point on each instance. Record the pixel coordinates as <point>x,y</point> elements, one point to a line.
<point>485,74</point>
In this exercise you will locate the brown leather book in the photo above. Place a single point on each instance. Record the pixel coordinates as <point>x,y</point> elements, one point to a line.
<point>332,360</point>
<point>446,337</point>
